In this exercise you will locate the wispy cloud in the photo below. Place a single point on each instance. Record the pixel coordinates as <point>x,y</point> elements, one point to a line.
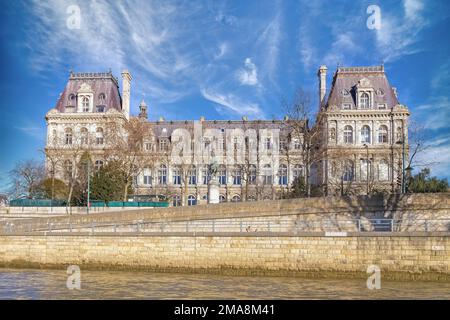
<point>398,34</point>
<point>249,74</point>
<point>439,155</point>
<point>227,103</point>
<point>33,131</point>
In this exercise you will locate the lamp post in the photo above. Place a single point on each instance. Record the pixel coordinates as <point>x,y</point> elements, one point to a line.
<point>402,142</point>
<point>88,165</point>
<point>367,167</point>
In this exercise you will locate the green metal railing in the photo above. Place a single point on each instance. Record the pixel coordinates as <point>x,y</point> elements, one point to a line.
<point>37,203</point>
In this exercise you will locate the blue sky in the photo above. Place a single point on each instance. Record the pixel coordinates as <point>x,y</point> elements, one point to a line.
<point>219,59</point>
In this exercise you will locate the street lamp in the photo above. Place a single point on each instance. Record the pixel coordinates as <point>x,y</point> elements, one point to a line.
<point>88,165</point>
<point>402,142</point>
<point>367,168</point>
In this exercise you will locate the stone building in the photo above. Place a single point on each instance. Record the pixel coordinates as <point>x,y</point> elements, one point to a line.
<point>364,132</point>
<point>358,147</point>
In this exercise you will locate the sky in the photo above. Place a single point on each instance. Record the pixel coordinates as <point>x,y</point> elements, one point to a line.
<point>218,59</point>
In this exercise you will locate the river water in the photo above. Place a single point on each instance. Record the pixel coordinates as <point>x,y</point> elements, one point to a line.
<point>51,284</point>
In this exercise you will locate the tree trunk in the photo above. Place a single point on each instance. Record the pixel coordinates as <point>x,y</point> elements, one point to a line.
<point>125,191</point>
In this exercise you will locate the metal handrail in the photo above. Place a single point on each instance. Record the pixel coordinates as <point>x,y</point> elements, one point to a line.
<point>243,225</point>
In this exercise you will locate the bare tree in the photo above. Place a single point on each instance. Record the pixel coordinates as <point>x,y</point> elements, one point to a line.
<point>301,116</point>
<point>26,177</point>
<point>125,144</point>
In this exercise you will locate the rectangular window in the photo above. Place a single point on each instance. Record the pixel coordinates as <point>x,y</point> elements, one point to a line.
<point>147,179</point>
<point>382,106</point>
<point>268,143</point>
<point>346,106</point>
<point>163,145</point>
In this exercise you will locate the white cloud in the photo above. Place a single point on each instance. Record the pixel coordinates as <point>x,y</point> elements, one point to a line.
<point>437,157</point>
<point>149,38</point>
<point>230,102</point>
<point>397,35</point>
<point>342,47</point>
<point>269,42</point>
<point>249,74</point>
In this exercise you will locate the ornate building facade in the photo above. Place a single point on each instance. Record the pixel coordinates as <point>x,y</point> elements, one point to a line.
<point>361,134</point>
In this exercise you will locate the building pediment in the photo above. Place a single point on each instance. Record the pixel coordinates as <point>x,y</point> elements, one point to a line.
<point>85,88</point>
<point>364,83</point>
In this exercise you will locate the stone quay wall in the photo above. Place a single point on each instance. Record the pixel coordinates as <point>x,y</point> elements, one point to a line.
<point>402,256</point>
<point>406,208</point>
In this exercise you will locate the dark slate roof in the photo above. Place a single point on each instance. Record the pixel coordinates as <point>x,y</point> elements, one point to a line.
<point>103,82</point>
<point>170,126</point>
<point>346,78</point>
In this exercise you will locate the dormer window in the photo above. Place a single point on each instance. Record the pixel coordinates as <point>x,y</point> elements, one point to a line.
<point>101,108</point>
<point>85,104</point>
<point>71,100</point>
<point>364,101</point>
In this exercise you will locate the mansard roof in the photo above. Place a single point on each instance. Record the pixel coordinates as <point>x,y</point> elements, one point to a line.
<point>346,80</point>
<point>165,128</point>
<point>101,82</point>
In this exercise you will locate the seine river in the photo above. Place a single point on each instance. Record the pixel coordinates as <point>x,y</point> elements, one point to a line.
<point>51,284</point>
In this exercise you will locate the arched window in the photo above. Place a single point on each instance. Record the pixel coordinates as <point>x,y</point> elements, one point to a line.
<point>364,101</point>
<point>84,136</point>
<point>176,176</point>
<point>267,175</point>
<point>252,174</point>
<point>399,134</point>
<point>236,198</point>
<point>222,198</point>
<point>348,172</point>
<point>147,173</point>
<point>191,200</point>
<point>297,171</point>
<point>98,165</point>
<point>68,136</point>
<point>348,134</point>
<point>282,175</point>
<point>176,200</point>
<point>162,174</point>
<point>366,169</point>
<point>383,170</point>
<point>365,134</point>
<point>192,174</point>
<point>237,176</point>
<point>222,175</point>
<point>99,136</point>
<point>85,104</point>
<point>383,134</point>
<point>71,99</point>
<point>68,169</point>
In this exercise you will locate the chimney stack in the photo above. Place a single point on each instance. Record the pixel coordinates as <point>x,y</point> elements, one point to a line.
<point>126,86</point>
<point>322,74</point>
